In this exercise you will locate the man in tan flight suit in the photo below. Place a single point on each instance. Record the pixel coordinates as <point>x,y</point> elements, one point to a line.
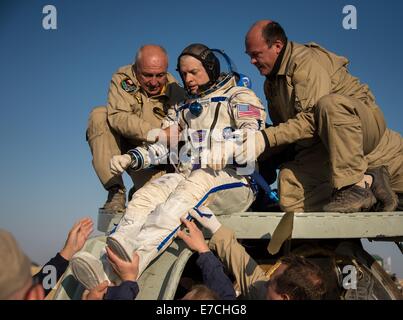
<point>345,159</point>
<point>139,96</point>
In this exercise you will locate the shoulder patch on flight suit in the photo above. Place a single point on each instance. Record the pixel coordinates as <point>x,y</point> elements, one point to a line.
<point>248,111</point>
<point>128,85</point>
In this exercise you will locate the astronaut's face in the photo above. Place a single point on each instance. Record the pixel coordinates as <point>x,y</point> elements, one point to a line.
<point>193,73</point>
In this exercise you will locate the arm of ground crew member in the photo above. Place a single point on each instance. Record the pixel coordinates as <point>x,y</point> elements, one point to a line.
<point>214,276</point>
<point>121,117</point>
<point>127,290</point>
<point>46,275</point>
<point>120,163</point>
<point>252,145</point>
<point>128,272</point>
<point>76,239</point>
<point>311,82</point>
<point>212,269</point>
<point>250,277</point>
<point>96,293</point>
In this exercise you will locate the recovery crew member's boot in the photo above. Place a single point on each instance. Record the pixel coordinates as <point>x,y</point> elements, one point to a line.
<point>400,205</point>
<point>116,202</point>
<point>351,199</point>
<point>382,189</point>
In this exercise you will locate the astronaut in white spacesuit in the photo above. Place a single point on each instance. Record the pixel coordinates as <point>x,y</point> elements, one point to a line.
<point>217,112</point>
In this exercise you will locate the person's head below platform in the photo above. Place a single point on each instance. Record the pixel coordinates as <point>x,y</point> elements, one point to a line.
<point>15,272</point>
<point>201,292</point>
<point>264,42</point>
<point>296,278</point>
<point>150,67</point>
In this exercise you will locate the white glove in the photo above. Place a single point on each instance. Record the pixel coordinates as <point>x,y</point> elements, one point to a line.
<point>219,155</point>
<point>252,146</point>
<point>157,153</point>
<point>120,163</point>
<point>206,218</point>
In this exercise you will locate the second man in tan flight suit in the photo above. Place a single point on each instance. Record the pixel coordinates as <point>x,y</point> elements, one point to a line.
<point>139,96</point>
<point>346,159</point>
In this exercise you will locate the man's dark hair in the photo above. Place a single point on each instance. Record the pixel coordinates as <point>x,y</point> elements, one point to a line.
<point>273,32</point>
<point>301,280</point>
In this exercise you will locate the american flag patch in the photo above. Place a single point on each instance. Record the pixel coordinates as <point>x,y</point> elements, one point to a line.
<point>248,110</point>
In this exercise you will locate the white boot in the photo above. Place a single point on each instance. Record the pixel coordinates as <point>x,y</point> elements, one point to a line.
<point>122,245</point>
<point>91,271</point>
<point>122,242</point>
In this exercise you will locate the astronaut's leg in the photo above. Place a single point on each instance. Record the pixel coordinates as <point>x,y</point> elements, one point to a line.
<point>140,178</point>
<point>143,202</point>
<point>90,270</point>
<point>224,191</point>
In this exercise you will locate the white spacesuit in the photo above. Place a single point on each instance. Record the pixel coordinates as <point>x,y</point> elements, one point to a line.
<point>208,122</point>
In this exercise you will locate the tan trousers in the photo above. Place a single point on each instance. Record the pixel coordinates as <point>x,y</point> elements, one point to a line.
<point>354,139</point>
<point>104,144</point>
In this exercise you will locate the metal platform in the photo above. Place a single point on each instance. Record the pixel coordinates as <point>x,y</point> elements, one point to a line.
<point>312,225</point>
<point>319,225</point>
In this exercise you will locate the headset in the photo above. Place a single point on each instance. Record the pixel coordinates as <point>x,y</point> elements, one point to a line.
<point>195,108</point>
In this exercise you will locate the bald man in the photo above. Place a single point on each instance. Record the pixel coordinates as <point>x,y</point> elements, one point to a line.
<point>139,96</point>
<point>345,158</point>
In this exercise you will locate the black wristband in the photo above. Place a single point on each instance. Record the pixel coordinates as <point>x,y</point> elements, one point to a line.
<point>266,140</point>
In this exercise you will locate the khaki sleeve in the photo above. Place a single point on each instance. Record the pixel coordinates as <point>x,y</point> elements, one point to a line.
<point>247,110</point>
<point>120,113</point>
<point>311,82</point>
<point>250,277</point>
<point>170,119</point>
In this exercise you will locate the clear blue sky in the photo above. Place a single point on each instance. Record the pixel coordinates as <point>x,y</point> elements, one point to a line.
<point>51,79</point>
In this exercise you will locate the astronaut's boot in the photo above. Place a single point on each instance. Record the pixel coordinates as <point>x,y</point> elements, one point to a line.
<point>91,271</point>
<point>123,242</point>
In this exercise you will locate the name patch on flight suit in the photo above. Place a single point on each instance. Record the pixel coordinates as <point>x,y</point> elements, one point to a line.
<point>128,85</point>
<point>197,137</point>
